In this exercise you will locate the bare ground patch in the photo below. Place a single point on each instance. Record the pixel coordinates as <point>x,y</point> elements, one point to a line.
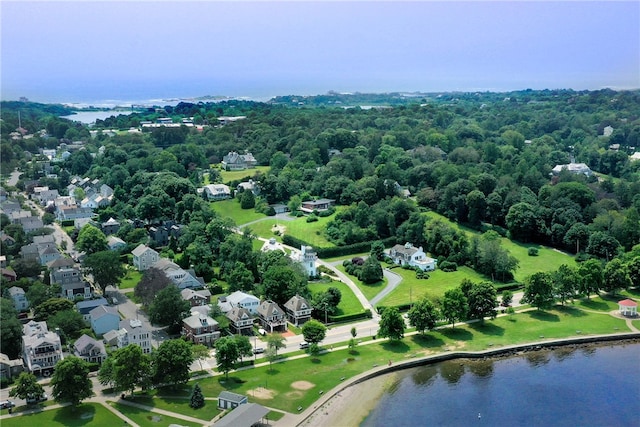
<point>261,393</point>
<point>294,395</point>
<point>302,385</point>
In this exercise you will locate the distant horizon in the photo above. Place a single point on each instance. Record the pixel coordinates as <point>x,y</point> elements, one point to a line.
<point>79,51</point>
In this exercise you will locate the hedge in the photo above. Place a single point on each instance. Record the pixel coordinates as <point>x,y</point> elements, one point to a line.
<point>365,314</point>
<point>336,251</point>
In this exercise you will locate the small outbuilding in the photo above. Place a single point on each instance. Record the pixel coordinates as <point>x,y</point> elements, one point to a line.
<point>628,307</point>
<point>229,400</point>
<point>246,415</point>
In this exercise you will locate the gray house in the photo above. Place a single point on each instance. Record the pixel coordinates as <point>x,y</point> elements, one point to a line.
<point>229,400</point>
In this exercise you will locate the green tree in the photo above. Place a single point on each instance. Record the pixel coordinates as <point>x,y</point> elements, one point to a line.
<point>313,331</point>
<point>239,277</point>
<point>168,308</point>
<point>522,221</point>
<point>616,277</point>
<point>200,352</point>
<point>197,399</point>
<point>482,301</point>
<point>26,386</point>
<point>91,240</point>
<point>245,349</point>
<point>247,200</point>
<point>423,315</point>
<point>51,307</point>
<point>507,298</point>
<point>565,282</point>
<point>171,362</point>
<point>391,324</point>
<point>590,277</point>
<point>152,282</point>
<point>603,245</point>
<point>70,381</point>
<point>377,250</point>
<point>634,270</point>
<point>371,271</point>
<point>10,329</point>
<point>454,305</point>
<point>280,283</point>
<point>538,290</point>
<point>126,368</point>
<point>39,293</point>
<point>105,270</point>
<point>70,323</point>
<point>275,342</point>
<point>226,354</point>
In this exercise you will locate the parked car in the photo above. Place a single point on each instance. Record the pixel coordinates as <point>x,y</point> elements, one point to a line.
<point>37,399</point>
<point>258,350</point>
<point>304,345</point>
<point>7,404</point>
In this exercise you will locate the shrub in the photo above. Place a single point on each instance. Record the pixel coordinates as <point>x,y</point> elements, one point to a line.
<point>448,266</point>
<point>312,218</point>
<point>532,251</point>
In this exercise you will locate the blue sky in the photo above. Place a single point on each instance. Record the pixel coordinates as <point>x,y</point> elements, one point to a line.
<point>87,51</point>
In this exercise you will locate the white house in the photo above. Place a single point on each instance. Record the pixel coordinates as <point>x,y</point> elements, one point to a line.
<point>41,349</point>
<point>407,254</point>
<point>241,299</point>
<point>575,168</point>
<point>144,257</point>
<point>217,191</point>
<point>19,298</point>
<point>307,257</point>
<point>104,318</point>
<point>131,331</point>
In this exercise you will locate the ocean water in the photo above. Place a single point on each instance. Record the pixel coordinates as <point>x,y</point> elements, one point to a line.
<point>577,386</point>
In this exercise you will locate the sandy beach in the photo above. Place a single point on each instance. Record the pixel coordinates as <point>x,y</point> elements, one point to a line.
<point>352,405</point>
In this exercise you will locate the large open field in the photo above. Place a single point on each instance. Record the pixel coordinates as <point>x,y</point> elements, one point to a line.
<point>311,232</point>
<point>349,303</point>
<point>231,208</point>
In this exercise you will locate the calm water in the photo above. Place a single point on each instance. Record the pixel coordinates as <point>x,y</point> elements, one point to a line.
<point>586,386</point>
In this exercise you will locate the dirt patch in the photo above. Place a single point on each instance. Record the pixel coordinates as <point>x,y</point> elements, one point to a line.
<point>288,333</point>
<point>294,395</point>
<point>279,228</point>
<point>261,393</point>
<point>302,385</point>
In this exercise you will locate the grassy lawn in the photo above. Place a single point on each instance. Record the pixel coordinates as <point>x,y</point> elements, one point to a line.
<point>548,259</point>
<point>311,232</point>
<point>277,387</point>
<point>369,291</point>
<point>412,289</point>
<point>131,279</point>
<point>180,405</point>
<point>349,303</point>
<point>149,419</point>
<point>228,176</point>
<point>231,208</point>
<point>87,414</point>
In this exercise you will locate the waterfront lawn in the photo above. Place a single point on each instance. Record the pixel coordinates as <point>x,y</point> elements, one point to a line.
<point>86,414</point>
<point>131,279</point>
<point>412,289</point>
<point>276,387</point>
<point>349,303</point>
<point>231,208</point>
<point>146,418</point>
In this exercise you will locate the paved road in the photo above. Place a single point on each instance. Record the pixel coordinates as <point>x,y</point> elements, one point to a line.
<point>130,310</point>
<point>393,280</point>
<point>13,178</point>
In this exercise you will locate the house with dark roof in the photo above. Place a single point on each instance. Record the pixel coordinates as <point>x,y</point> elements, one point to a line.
<point>72,283</point>
<point>298,310</point>
<point>271,316</point>
<point>10,368</point>
<point>84,307</point>
<point>240,320</point>
<point>200,329</point>
<point>111,226</point>
<point>245,415</point>
<point>60,263</point>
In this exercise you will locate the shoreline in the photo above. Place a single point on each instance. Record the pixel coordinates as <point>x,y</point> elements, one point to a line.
<point>349,404</point>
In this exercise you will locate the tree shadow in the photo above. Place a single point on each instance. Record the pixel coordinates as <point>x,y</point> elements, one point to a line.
<point>230,384</point>
<point>485,328</point>
<point>544,316</point>
<point>427,341</point>
<point>594,305</point>
<point>75,415</point>
<point>457,334</point>
<point>395,346</point>
<point>572,311</point>
<point>273,372</point>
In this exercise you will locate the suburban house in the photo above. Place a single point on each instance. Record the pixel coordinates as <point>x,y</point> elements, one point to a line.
<point>115,243</point>
<point>85,307</point>
<point>9,275</point>
<point>407,254</point>
<point>309,206</point>
<point>230,400</point>
<point>298,310</point>
<point>234,161</point>
<point>159,234</point>
<point>10,368</point>
<point>41,349</point>
<point>30,224</point>
<point>250,185</point>
<point>200,329</point>
<point>144,257</point>
<point>181,278</point>
<point>240,320</point>
<point>279,208</point>
<point>104,318</point>
<point>574,168</point>
<point>217,191</point>
<point>19,298</point>
<point>307,257</point>
<point>271,316</point>
<point>89,349</point>
<point>241,299</point>
<point>72,283</point>
<point>67,213</point>
<point>60,264</point>
<point>131,331</point>
<point>196,298</point>
<point>111,226</point>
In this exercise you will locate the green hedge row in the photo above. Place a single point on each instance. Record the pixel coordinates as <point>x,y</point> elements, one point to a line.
<point>365,314</point>
<point>336,251</point>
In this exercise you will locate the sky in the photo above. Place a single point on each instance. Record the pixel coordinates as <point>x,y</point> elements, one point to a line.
<point>88,51</point>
